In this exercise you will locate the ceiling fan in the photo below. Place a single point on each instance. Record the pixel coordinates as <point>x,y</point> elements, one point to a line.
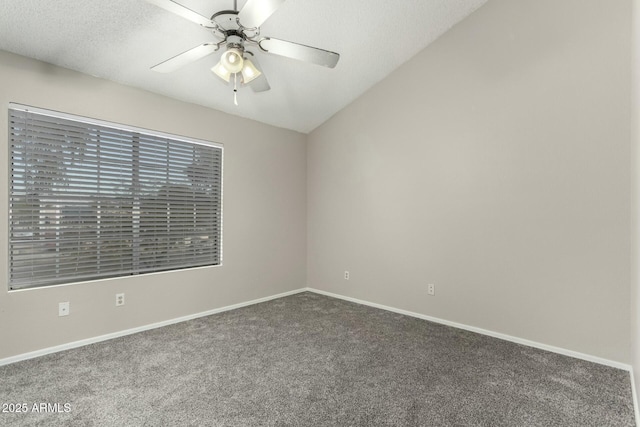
<point>239,31</point>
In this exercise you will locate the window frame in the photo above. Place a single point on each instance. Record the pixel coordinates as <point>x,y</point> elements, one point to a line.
<point>119,127</point>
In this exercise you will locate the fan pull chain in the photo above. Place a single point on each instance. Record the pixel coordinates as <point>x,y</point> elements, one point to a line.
<point>235,89</point>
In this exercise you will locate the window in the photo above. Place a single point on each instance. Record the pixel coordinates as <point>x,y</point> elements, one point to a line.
<point>90,199</point>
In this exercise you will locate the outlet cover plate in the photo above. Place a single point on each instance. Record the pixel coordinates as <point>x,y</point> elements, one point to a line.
<point>119,300</point>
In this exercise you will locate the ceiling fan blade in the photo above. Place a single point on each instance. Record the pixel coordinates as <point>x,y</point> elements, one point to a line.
<point>300,52</point>
<point>260,83</point>
<point>185,58</point>
<point>255,12</point>
<point>182,11</point>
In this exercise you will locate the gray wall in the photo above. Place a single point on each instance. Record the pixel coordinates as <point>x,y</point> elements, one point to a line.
<point>494,164</point>
<point>264,214</point>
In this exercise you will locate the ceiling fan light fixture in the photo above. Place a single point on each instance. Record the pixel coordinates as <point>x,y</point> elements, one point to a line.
<point>220,71</point>
<point>236,29</point>
<point>249,72</point>
<point>232,60</point>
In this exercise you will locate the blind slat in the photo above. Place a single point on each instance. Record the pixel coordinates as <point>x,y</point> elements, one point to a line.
<point>91,199</point>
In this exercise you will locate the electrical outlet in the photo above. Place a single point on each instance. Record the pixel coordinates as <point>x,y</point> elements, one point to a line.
<point>346,275</point>
<point>119,300</point>
<point>431,289</point>
<point>63,308</point>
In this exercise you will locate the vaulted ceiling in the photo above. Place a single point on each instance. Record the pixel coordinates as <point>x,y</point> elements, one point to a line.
<point>120,40</point>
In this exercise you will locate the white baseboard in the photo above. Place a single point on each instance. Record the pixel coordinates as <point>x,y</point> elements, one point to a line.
<point>80,343</point>
<point>634,395</point>
<point>493,334</point>
<point>106,337</point>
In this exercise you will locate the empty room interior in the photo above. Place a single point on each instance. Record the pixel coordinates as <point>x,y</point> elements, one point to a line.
<point>363,213</point>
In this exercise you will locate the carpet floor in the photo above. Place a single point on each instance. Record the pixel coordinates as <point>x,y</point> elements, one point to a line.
<point>311,360</point>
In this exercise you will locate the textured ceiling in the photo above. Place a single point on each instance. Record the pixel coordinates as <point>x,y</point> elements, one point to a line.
<point>120,40</point>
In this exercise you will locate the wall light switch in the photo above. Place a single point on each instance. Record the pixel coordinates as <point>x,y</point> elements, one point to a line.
<point>63,309</point>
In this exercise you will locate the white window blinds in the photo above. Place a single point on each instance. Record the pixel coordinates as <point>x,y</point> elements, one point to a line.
<point>90,199</point>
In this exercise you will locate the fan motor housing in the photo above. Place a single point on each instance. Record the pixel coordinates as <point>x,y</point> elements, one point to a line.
<point>234,40</point>
<point>227,20</point>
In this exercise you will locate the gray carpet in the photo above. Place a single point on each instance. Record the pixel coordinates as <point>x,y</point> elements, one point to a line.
<point>310,360</point>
